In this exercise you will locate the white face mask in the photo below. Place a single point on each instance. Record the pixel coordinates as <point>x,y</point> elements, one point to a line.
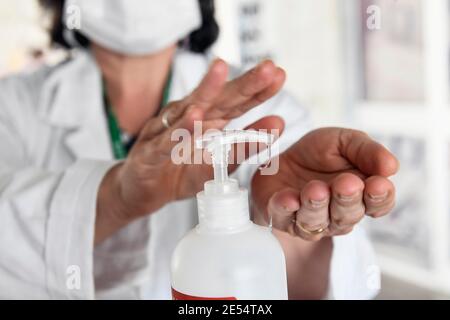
<point>133,27</point>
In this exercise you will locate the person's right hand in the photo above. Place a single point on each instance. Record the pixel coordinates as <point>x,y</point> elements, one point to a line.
<point>148,179</point>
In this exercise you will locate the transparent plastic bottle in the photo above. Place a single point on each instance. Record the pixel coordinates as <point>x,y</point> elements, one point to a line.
<point>227,256</point>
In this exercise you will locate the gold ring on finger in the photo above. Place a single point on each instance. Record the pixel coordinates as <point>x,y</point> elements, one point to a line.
<point>165,119</point>
<point>310,232</point>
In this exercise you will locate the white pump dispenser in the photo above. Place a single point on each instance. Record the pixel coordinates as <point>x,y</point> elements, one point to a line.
<point>223,204</point>
<point>227,256</point>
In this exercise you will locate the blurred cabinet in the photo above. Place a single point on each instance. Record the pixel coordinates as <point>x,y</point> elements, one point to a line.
<point>399,92</point>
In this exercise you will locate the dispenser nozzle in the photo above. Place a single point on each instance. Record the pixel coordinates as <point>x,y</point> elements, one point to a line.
<point>219,145</point>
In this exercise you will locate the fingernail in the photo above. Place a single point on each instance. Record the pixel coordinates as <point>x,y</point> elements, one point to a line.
<point>349,198</point>
<point>317,203</point>
<point>378,197</point>
<point>261,65</point>
<point>257,67</point>
<point>288,209</point>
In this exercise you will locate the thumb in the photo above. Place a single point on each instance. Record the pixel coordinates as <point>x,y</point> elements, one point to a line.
<point>269,123</point>
<point>368,155</point>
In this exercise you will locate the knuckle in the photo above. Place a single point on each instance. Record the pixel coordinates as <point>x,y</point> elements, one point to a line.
<point>380,211</point>
<point>243,108</point>
<point>347,201</point>
<point>356,219</point>
<point>312,222</point>
<point>274,210</point>
<point>316,206</point>
<point>157,147</point>
<point>377,201</point>
<point>177,113</point>
<point>350,218</point>
<point>339,222</point>
<point>352,206</point>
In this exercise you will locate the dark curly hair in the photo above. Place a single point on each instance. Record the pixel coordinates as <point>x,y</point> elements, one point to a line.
<point>199,40</point>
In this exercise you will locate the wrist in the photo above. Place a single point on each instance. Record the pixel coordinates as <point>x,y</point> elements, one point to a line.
<point>111,209</point>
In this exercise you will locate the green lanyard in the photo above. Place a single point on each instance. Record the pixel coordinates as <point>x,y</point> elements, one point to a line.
<point>117,142</point>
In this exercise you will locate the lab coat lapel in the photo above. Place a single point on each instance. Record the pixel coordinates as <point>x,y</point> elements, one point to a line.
<point>91,140</point>
<point>74,101</point>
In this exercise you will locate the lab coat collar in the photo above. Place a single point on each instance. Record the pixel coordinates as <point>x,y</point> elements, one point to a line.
<point>72,92</point>
<point>72,99</point>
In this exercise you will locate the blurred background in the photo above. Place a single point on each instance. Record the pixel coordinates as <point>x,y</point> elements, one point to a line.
<point>378,65</point>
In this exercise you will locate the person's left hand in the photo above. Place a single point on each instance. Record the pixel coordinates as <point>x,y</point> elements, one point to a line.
<point>327,182</point>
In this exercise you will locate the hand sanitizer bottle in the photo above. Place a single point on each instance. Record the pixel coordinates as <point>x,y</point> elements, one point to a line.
<point>226,256</point>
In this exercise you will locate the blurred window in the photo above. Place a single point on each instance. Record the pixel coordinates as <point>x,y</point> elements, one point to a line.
<point>392,50</point>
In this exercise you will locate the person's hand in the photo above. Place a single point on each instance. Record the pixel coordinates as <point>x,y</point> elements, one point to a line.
<point>148,179</point>
<point>327,182</point>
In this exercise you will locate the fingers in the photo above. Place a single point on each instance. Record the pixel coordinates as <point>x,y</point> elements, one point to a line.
<point>269,123</point>
<point>347,206</point>
<point>301,213</point>
<point>249,90</point>
<point>313,214</point>
<point>278,81</point>
<point>321,209</point>
<point>368,155</point>
<point>209,88</point>
<point>281,209</point>
<point>228,100</point>
<point>379,196</point>
<point>173,112</point>
<point>160,147</point>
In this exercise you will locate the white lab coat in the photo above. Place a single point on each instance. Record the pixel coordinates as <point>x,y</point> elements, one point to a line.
<point>54,151</point>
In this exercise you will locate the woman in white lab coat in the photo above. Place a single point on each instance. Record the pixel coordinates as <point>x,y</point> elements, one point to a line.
<point>92,207</point>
